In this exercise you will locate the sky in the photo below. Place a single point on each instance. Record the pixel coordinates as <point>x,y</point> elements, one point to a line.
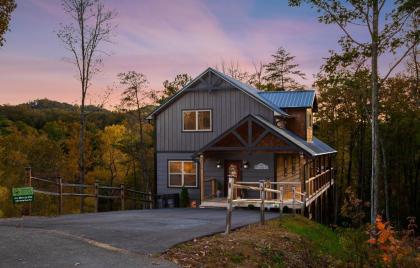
<point>160,38</point>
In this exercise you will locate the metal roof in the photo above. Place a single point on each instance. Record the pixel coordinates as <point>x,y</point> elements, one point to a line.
<point>247,89</point>
<point>315,148</point>
<point>290,99</point>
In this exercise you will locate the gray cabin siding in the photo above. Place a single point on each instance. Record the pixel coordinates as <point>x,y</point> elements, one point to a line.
<point>250,174</point>
<point>211,171</point>
<point>162,174</point>
<point>228,107</point>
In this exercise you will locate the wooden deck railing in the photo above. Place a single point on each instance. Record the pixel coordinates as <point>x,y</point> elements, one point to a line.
<point>318,183</point>
<point>265,188</point>
<point>213,187</point>
<point>56,187</point>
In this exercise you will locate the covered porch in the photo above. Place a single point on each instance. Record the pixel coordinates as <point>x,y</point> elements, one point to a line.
<point>255,150</point>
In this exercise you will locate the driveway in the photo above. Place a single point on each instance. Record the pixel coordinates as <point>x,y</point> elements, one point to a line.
<point>111,239</point>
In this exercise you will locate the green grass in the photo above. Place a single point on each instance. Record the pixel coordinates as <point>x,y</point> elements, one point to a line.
<point>322,238</point>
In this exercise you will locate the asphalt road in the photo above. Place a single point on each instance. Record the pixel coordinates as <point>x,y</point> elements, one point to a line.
<point>112,239</point>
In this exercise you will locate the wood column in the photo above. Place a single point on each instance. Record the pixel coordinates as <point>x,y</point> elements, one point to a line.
<point>201,178</point>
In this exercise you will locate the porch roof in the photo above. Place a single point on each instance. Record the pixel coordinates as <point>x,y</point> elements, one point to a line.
<point>269,138</point>
<point>314,148</point>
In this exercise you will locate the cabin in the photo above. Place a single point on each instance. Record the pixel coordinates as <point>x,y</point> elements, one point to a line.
<point>217,127</point>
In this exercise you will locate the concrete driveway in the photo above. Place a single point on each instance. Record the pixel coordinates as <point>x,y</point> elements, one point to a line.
<point>111,239</point>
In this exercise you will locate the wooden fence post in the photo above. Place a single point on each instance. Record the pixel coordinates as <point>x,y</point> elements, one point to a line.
<point>29,184</point>
<point>96,196</point>
<point>122,196</point>
<point>262,204</point>
<point>281,201</point>
<point>294,199</point>
<point>229,205</point>
<point>151,200</point>
<point>303,204</point>
<point>60,195</point>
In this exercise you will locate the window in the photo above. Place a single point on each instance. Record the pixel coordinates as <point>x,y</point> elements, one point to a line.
<point>182,174</point>
<point>196,120</point>
<point>285,166</point>
<point>293,165</point>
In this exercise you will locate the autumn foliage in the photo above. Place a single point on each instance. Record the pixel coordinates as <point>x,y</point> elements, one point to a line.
<point>386,247</point>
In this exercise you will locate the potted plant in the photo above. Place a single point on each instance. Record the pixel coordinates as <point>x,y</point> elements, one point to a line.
<point>184,199</point>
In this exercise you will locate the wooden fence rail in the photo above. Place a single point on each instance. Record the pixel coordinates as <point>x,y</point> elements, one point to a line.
<point>146,199</point>
<point>265,189</point>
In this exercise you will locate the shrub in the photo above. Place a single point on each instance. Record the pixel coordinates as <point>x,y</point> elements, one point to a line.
<point>184,199</point>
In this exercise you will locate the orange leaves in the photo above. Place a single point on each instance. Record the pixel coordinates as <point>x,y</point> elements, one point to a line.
<point>382,236</point>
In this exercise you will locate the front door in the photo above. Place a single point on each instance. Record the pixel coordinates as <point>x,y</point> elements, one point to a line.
<point>232,168</point>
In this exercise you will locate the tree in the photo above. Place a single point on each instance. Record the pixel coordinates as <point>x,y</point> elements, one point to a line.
<point>396,33</point>
<point>282,71</point>
<point>136,97</point>
<point>172,87</point>
<point>6,9</point>
<point>113,158</point>
<point>90,28</point>
<point>233,70</point>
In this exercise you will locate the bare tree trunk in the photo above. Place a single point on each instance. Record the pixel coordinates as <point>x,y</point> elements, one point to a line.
<point>385,172</point>
<point>375,88</point>
<point>350,165</point>
<point>82,153</point>
<point>361,173</point>
<point>142,146</point>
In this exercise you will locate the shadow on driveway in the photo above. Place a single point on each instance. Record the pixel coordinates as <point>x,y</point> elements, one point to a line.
<point>139,232</point>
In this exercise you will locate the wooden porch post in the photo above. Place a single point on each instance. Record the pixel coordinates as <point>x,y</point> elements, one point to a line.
<point>201,178</point>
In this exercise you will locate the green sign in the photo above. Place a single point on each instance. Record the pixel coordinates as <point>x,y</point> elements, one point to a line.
<point>23,194</point>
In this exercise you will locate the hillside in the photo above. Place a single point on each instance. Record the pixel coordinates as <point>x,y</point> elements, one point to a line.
<point>292,241</point>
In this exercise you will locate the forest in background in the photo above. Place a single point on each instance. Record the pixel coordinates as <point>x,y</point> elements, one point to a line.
<point>43,134</point>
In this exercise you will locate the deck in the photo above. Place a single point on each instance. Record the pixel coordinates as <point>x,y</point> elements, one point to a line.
<point>245,203</point>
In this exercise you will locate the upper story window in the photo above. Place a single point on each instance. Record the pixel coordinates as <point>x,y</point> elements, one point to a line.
<point>196,120</point>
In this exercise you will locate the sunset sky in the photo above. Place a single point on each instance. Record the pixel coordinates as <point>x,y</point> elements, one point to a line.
<point>159,38</point>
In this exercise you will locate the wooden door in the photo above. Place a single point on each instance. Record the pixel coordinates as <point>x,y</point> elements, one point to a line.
<point>232,168</point>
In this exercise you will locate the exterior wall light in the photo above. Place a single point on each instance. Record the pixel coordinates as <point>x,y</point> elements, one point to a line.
<point>245,164</point>
<point>219,164</point>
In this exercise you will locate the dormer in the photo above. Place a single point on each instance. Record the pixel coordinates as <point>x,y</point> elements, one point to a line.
<point>299,105</point>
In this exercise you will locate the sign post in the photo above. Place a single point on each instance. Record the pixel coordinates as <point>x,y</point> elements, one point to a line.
<point>22,194</point>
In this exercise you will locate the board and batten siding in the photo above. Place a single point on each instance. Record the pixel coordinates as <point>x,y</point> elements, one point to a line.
<point>162,174</point>
<point>228,107</point>
<point>250,174</point>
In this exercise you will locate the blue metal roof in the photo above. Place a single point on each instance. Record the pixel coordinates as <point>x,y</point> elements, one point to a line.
<point>314,148</point>
<point>290,99</point>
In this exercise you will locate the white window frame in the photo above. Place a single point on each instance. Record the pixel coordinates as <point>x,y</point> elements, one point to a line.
<point>182,174</point>
<point>196,120</point>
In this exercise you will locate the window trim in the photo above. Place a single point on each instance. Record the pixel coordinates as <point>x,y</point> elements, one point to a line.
<point>196,120</point>
<point>182,173</point>
<point>293,165</point>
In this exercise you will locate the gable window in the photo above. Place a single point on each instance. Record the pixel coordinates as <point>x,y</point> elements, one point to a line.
<point>182,174</point>
<point>285,167</point>
<point>196,120</point>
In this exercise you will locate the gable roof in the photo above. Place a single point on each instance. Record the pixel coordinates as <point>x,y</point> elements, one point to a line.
<point>291,99</point>
<point>315,148</point>
<point>247,89</point>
